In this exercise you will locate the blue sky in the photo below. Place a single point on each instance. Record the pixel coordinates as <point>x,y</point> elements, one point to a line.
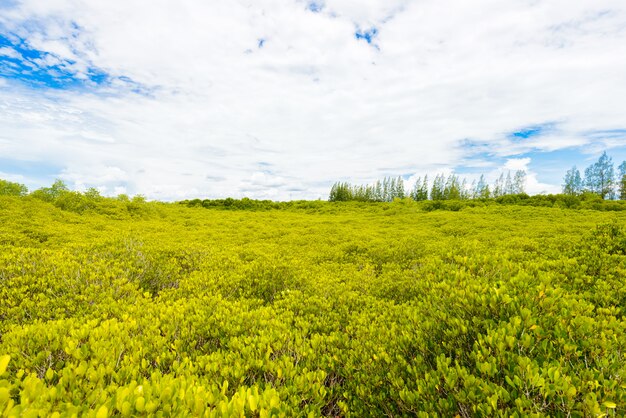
<point>38,69</point>
<point>278,99</point>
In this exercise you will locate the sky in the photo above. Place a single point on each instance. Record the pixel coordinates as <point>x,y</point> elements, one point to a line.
<point>279,99</point>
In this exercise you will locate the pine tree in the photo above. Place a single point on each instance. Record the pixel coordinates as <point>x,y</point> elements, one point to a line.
<point>452,189</point>
<point>437,192</point>
<point>424,190</point>
<point>400,192</point>
<point>386,189</point>
<point>414,193</point>
<point>341,192</point>
<point>420,189</point>
<point>378,191</point>
<point>393,189</point>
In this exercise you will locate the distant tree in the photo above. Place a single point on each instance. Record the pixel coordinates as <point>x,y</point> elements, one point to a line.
<point>519,182</point>
<point>508,184</point>
<point>600,177</point>
<point>419,191</point>
<point>452,188</point>
<point>437,191</point>
<point>365,193</point>
<point>139,199</point>
<point>93,194</point>
<point>8,188</point>
<point>359,193</point>
<point>123,197</point>
<point>481,191</point>
<point>387,188</point>
<point>399,192</point>
<point>414,190</point>
<point>472,190</point>
<point>52,193</point>
<point>378,191</point>
<point>340,192</point>
<point>622,180</point>
<point>498,187</point>
<point>465,192</point>
<point>572,183</point>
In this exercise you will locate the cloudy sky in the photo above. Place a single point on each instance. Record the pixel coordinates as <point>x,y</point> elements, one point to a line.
<point>279,99</point>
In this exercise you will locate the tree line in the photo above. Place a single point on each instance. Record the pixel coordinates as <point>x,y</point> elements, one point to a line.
<point>62,197</point>
<point>599,178</point>
<point>451,187</point>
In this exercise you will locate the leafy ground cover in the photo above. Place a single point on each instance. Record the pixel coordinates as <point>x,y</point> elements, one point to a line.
<point>321,309</point>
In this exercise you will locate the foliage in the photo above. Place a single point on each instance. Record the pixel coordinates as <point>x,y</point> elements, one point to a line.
<point>8,188</point>
<point>573,182</point>
<point>451,187</point>
<point>600,177</point>
<point>312,308</point>
<point>385,191</point>
<point>622,181</point>
<point>481,191</point>
<point>420,189</point>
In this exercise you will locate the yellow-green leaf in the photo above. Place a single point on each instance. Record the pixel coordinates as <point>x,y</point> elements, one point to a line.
<point>4,362</point>
<point>103,412</point>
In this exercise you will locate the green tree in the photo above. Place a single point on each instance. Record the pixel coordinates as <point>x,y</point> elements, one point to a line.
<point>481,191</point>
<point>340,192</point>
<point>420,189</point>
<point>52,193</point>
<point>93,194</point>
<point>387,187</point>
<point>508,184</point>
<point>572,183</point>
<point>400,192</point>
<point>437,192</point>
<point>498,187</point>
<point>378,191</point>
<point>452,189</point>
<point>519,182</point>
<point>600,177</point>
<point>465,192</point>
<point>8,188</point>
<point>622,180</point>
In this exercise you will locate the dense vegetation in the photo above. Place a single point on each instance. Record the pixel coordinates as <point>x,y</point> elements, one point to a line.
<point>119,307</point>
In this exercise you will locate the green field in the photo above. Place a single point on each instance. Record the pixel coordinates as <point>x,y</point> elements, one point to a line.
<point>318,309</point>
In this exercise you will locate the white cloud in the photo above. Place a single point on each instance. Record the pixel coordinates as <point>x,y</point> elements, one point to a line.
<point>8,52</point>
<point>533,185</point>
<point>314,104</point>
<point>16,178</point>
<point>515,164</point>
